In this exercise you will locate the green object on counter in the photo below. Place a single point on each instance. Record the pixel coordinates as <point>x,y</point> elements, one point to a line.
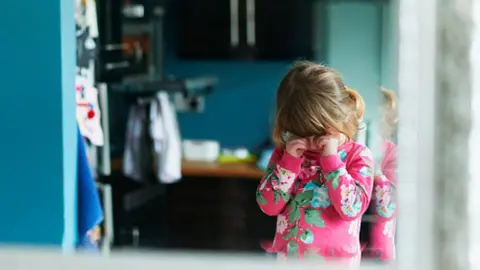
<point>234,159</point>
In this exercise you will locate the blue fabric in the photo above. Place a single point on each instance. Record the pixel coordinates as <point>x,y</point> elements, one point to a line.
<point>90,213</point>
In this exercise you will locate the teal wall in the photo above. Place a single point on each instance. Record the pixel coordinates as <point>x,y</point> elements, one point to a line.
<point>38,138</point>
<point>389,53</point>
<point>354,48</point>
<point>362,46</point>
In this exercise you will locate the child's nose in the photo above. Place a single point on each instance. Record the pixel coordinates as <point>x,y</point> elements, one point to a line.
<point>312,144</point>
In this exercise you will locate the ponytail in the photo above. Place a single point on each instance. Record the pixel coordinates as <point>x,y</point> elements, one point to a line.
<point>356,103</point>
<point>389,99</point>
<point>389,113</point>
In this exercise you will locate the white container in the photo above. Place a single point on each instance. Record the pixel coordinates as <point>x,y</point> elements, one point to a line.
<point>201,150</point>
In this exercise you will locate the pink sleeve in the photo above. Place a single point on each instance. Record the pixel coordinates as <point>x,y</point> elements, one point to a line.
<point>275,188</point>
<point>385,186</point>
<point>349,188</point>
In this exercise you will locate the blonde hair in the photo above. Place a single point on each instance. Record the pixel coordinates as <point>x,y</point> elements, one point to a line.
<point>312,100</point>
<point>388,112</point>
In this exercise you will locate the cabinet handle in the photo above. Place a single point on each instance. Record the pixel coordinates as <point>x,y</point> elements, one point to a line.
<point>134,11</point>
<point>250,22</point>
<point>115,47</point>
<point>234,32</point>
<point>106,161</point>
<point>117,65</point>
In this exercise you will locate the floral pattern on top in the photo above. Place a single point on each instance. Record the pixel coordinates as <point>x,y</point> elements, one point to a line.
<point>354,228</point>
<point>382,232</point>
<point>282,224</point>
<point>389,228</point>
<point>351,205</point>
<point>320,195</point>
<point>366,171</point>
<point>285,179</point>
<point>385,204</point>
<point>318,202</point>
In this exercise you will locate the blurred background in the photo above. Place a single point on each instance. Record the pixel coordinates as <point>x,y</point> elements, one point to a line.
<point>237,51</point>
<point>219,63</point>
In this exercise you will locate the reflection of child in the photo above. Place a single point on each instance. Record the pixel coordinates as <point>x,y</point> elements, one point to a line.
<point>382,236</point>
<point>319,181</point>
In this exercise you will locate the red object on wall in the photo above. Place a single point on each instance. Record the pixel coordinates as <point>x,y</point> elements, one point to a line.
<point>91,114</point>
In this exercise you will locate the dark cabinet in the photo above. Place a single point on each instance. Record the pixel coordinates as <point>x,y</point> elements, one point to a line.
<point>245,29</point>
<point>204,29</point>
<point>283,29</point>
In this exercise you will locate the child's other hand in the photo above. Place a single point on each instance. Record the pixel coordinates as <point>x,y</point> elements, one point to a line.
<point>296,147</point>
<point>329,145</point>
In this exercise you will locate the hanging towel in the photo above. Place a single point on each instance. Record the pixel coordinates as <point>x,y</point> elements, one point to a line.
<point>90,212</point>
<point>138,153</point>
<point>166,139</point>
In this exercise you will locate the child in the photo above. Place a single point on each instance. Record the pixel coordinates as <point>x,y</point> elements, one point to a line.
<point>382,233</point>
<point>319,181</point>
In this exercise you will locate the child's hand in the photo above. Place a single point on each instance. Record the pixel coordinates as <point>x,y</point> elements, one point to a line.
<point>296,147</point>
<point>329,145</point>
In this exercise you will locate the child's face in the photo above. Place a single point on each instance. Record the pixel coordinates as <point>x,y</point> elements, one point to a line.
<point>313,142</point>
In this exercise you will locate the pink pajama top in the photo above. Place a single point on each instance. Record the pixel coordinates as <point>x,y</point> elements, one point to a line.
<point>318,201</point>
<point>381,244</point>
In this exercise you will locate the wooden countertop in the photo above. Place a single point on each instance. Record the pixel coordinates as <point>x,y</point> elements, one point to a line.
<point>210,169</point>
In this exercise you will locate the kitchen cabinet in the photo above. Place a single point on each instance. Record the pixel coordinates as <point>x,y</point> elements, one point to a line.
<point>205,30</point>
<point>245,29</point>
<point>283,29</point>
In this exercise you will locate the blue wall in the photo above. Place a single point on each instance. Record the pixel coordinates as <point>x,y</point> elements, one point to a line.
<point>38,138</point>
<point>239,111</point>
